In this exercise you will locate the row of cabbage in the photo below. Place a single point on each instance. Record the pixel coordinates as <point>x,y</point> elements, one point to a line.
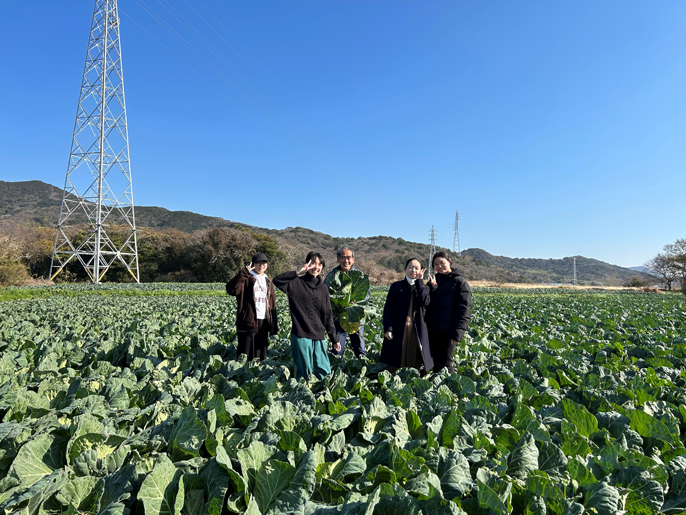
<point>561,404</point>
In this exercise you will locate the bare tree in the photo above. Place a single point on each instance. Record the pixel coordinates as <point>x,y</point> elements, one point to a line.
<point>663,267</point>
<point>677,255</point>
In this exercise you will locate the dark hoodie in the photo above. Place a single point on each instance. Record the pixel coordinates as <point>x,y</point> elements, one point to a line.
<point>310,305</point>
<point>450,309</point>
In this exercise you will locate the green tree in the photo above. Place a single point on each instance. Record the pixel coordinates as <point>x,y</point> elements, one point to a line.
<point>636,281</point>
<point>216,254</point>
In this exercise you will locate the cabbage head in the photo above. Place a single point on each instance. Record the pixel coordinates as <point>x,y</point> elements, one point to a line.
<point>349,292</point>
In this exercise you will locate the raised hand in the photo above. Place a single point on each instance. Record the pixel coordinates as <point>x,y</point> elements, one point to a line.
<point>250,267</point>
<point>420,274</point>
<point>432,280</point>
<point>303,269</point>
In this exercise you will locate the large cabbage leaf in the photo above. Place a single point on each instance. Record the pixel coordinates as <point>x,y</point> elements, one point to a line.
<point>349,292</point>
<point>566,403</point>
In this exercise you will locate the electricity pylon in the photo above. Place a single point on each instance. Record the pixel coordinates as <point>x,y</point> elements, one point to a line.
<point>97,189</point>
<point>456,236</point>
<point>432,248</point>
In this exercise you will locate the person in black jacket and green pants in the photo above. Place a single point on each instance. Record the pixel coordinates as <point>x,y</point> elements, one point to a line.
<point>311,317</point>
<point>449,311</point>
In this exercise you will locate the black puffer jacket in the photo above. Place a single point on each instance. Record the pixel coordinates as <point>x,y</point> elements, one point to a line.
<point>450,309</point>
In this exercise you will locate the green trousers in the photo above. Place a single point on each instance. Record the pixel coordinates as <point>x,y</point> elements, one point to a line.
<point>310,357</point>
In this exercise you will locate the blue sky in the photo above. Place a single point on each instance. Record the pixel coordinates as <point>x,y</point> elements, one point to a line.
<point>555,128</point>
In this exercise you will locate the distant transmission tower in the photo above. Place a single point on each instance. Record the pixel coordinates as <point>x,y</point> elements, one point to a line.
<point>97,189</point>
<point>432,249</point>
<point>456,237</point>
<point>574,280</point>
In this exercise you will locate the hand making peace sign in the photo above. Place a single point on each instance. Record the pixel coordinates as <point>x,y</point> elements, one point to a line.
<point>303,269</point>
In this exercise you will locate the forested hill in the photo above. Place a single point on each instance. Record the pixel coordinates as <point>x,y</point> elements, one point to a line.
<point>35,202</point>
<point>556,270</point>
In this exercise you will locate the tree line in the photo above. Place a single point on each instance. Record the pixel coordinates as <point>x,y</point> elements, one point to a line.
<point>167,255</point>
<point>216,254</point>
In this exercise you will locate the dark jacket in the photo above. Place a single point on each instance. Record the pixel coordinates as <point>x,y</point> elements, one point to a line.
<point>450,309</point>
<point>310,305</point>
<point>242,287</point>
<point>395,315</point>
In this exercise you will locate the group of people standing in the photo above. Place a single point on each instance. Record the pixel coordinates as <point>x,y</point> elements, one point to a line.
<point>423,321</point>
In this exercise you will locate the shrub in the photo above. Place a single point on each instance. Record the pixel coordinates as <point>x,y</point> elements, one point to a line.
<point>12,270</point>
<point>635,281</point>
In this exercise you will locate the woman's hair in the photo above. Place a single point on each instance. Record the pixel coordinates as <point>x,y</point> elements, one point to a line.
<point>315,255</point>
<point>439,254</point>
<point>410,261</point>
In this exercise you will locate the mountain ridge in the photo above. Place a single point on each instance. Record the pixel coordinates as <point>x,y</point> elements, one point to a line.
<point>38,202</point>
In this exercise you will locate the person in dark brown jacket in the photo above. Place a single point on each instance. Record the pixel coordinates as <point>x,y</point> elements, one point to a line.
<point>256,308</point>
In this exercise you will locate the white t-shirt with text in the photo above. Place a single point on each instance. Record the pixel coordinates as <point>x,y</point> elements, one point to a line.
<point>260,296</point>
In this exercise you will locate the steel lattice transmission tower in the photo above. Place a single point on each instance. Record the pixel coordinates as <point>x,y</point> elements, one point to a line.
<point>456,236</point>
<point>97,189</point>
<point>432,248</point>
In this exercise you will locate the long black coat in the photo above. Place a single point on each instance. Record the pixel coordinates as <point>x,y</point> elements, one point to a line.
<point>395,315</point>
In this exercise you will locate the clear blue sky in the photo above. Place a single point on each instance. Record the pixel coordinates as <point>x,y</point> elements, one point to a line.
<point>555,128</point>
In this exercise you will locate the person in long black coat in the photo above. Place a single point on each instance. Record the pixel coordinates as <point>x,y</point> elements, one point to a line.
<point>406,339</point>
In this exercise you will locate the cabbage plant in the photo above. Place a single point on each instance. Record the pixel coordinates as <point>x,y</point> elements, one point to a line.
<point>349,293</point>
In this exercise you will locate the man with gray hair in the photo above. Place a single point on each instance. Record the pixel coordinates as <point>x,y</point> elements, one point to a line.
<point>350,292</point>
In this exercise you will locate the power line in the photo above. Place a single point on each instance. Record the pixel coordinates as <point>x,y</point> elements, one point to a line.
<point>149,10</point>
<point>260,76</point>
<point>255,59</point>
<point>399,216</point>
<point>196,33</point>
<point>198,36</point>
<point>199,75</point>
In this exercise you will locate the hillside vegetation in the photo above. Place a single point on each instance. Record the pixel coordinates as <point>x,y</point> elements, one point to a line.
<point>29,210</point>
<point>588,270</point>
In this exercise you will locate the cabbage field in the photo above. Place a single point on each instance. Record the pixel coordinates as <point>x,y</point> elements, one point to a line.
<point>130,399</point>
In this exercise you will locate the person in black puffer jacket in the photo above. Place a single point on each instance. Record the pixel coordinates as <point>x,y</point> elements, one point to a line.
<point>449,311</point>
